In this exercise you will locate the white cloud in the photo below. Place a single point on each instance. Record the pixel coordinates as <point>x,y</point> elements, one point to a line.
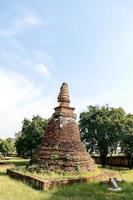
<point>15,89</point>
<point>22,23</point>
<point>29,20</point>
<point>43,69</point>
<point>20,98</point>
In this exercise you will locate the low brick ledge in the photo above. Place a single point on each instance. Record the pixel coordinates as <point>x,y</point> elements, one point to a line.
<point>44,184</point>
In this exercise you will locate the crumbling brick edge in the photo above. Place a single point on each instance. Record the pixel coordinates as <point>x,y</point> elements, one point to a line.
<point>44,184</point>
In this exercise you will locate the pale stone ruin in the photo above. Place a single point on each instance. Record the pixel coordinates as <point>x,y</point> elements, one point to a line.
<point>113,185</point>
<point>61,148</point>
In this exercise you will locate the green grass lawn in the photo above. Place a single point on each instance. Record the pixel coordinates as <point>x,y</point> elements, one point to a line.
<point>14,190</point>
<point>59,175</point>
<point>16,162</point>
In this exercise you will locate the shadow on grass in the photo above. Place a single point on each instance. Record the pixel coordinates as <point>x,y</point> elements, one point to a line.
<point>92,191</point>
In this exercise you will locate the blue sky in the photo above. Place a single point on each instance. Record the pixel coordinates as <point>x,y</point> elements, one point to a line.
<point>88,44</point>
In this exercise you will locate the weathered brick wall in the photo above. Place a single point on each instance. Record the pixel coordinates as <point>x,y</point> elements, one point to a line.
<point>59,131</point>
<point>61,148</point>
<point>118,161</point>
<point>44,184</point>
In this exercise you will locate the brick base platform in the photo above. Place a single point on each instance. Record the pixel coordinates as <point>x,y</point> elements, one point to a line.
<point>44,184</point>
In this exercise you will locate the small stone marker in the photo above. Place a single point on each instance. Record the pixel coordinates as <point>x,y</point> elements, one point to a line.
<point>113,185</point>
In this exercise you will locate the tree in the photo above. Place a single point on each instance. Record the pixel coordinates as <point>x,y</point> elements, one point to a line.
<point>101,129</point>
<point>30,136</point>
<point>7,146</point>
<point>126,143</point>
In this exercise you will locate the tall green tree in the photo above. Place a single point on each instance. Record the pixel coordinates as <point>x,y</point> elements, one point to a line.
<point>101,129</point>
<point>30,136</point>
<point>126,143</point>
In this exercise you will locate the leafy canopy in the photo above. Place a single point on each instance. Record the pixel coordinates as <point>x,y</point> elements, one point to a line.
<point>101,129</point>
<point>7,146</point>
<point>30,136</point>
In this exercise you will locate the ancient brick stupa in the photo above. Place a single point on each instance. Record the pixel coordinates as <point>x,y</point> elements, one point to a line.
<point>61,148</point>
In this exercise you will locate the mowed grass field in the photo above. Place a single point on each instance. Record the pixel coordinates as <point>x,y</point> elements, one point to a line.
<point>15,190</point>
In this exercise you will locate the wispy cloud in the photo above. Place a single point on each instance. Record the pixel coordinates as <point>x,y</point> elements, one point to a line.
<point>43,69</point>
<point>15,89</point>
<point>20,24</point>
<point>20,98</point>
<point>26,83</point>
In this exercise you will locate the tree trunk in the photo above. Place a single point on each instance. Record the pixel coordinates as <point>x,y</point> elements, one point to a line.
<point>129,162</point>
<point>103,160</point>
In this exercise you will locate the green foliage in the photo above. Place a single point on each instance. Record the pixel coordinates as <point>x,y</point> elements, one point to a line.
<point>127,140</point>
<point>54,156</point>
<point>101,129</point>
<point>69,157</point>
<point>30,136</point>
<point>78,168</point>
<point>7,146</point>
<point>31,168</point>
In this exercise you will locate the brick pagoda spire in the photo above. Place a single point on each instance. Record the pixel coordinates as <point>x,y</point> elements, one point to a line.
<point>63,98</point>
<point>61,148</point>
